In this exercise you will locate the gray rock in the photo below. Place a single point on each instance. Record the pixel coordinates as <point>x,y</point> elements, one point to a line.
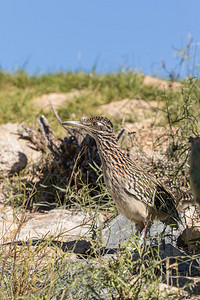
<point>117,232</point>
<point>14,152</point>
<point>120,230</point>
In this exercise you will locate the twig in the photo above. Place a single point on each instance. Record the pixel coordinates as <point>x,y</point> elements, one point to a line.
<point>48,135</point>
<point>58,118</point>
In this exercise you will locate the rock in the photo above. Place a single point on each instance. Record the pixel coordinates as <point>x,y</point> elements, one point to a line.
<point>116,233</point>
<point>12,158</point>
<point>192,230</point>
<point>15,153</point>
<point>66,229</point>
<point>120,230</point>
<point>160,84</point>
<point>59,224</point>
<point>134,109</point>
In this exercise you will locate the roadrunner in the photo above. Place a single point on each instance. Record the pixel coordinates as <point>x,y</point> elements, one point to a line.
<point>137,195</point>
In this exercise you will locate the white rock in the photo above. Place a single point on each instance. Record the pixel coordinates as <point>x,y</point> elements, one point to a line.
<point>14,152</point>
<point>57,222</point>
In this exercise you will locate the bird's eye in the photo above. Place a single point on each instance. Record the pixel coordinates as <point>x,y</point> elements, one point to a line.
<point>97,124</point>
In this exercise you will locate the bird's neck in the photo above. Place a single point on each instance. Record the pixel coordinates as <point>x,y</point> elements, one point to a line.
<point>109,152</point>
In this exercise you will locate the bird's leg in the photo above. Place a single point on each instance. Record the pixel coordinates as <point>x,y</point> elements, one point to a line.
<point>139,227</point>
<point>142,231</point>
<point>166,223</point>
<point>162,236</point>
<point>146,232</point>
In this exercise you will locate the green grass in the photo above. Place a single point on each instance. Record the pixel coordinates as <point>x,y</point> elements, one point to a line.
<point>44,271</point>
<point>19,89</point>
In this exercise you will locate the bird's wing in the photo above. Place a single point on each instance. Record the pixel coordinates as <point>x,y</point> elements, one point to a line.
<point>152,193</point>
<point>165,201</point>
<point>140,187</point>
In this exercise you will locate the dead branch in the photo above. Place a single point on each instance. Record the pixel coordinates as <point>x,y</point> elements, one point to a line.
<point>58,118</point>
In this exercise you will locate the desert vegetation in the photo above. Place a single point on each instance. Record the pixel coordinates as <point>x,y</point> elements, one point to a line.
<point>158,118</point>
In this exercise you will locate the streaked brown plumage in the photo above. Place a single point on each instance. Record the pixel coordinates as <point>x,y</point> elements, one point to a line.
<point>137,195</point>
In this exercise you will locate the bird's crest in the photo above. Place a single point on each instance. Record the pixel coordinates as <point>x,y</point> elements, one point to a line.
<point>97,122</point>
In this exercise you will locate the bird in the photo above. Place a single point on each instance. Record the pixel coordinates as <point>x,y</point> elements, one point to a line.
<point>137,195</point>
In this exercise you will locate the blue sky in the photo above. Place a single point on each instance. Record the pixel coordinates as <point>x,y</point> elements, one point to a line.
<point>44,36</point>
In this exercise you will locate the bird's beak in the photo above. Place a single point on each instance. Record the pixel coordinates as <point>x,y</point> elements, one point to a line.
<point>72,123</point>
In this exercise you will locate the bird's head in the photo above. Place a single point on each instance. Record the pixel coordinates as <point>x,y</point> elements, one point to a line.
<point>94,126</point>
